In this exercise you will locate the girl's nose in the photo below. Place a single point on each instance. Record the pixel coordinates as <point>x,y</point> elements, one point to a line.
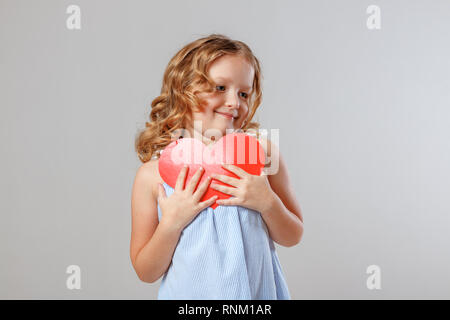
<point>232,101</point>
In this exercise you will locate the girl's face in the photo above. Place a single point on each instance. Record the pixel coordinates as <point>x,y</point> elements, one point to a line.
<point>227,106</point>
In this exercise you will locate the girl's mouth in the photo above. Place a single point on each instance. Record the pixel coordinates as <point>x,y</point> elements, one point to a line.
<point>225,115</point>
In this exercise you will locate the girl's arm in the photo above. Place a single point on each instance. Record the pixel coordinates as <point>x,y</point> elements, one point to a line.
<point>152,243</point>
<point>283,215</point>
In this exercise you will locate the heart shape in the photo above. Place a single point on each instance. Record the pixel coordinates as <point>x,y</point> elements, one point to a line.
<point>239,149</point>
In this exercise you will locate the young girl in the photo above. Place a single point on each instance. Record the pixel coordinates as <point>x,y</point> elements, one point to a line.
<point>201,253</point>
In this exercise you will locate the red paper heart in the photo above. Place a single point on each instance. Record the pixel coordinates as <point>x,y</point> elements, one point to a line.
<point>239,149</point>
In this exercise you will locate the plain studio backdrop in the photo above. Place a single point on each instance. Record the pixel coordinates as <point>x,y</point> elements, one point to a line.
<point>364,124</point>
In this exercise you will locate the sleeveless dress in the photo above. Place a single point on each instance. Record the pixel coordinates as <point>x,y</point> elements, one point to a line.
<point>224,254</point>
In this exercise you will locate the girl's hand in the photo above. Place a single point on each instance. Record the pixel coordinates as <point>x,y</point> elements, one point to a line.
<point>183,205</point>
<point>250,191</point>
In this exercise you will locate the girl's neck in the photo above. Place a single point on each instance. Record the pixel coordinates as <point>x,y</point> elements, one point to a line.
<point>206,140</point>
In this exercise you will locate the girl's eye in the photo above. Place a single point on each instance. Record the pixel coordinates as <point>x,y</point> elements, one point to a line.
<point>245,96</point>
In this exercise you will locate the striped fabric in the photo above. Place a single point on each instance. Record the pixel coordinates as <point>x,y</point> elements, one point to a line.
<point>224,254</point>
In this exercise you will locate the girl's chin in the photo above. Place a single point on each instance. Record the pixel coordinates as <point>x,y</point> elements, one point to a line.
<point>223,128</point>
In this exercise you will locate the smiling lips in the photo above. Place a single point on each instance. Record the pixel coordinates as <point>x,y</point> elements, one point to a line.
<point>228,115</point>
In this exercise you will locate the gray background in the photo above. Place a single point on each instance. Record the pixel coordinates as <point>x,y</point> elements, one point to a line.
<point>364,128</point>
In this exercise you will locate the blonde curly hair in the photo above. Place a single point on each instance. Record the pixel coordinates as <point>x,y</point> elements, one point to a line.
<point>184,77</point>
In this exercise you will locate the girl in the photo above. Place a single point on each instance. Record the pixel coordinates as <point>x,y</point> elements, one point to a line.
<point>201,253</point>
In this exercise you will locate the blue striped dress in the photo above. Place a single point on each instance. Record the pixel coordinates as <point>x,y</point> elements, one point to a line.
<point>224,254</point>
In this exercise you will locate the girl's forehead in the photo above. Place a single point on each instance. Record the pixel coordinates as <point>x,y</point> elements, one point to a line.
<point>227,59</point>
<point>233,69</point>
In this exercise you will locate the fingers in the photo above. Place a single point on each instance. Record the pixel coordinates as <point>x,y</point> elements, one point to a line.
<point>241,173</point>
<point>224,189</point>
<point>179,185</point>
<point>226,179</point>
<point>198,194</point>
<point>208,202</point>
<point>194,181</point>
<point>229,202</point>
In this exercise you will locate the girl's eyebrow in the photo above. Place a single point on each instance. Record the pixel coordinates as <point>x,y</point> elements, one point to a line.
<point>227,79</point>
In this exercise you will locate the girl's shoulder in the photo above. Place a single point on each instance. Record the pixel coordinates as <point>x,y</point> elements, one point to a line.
<point>268,146</point>
<point>150,170</point>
